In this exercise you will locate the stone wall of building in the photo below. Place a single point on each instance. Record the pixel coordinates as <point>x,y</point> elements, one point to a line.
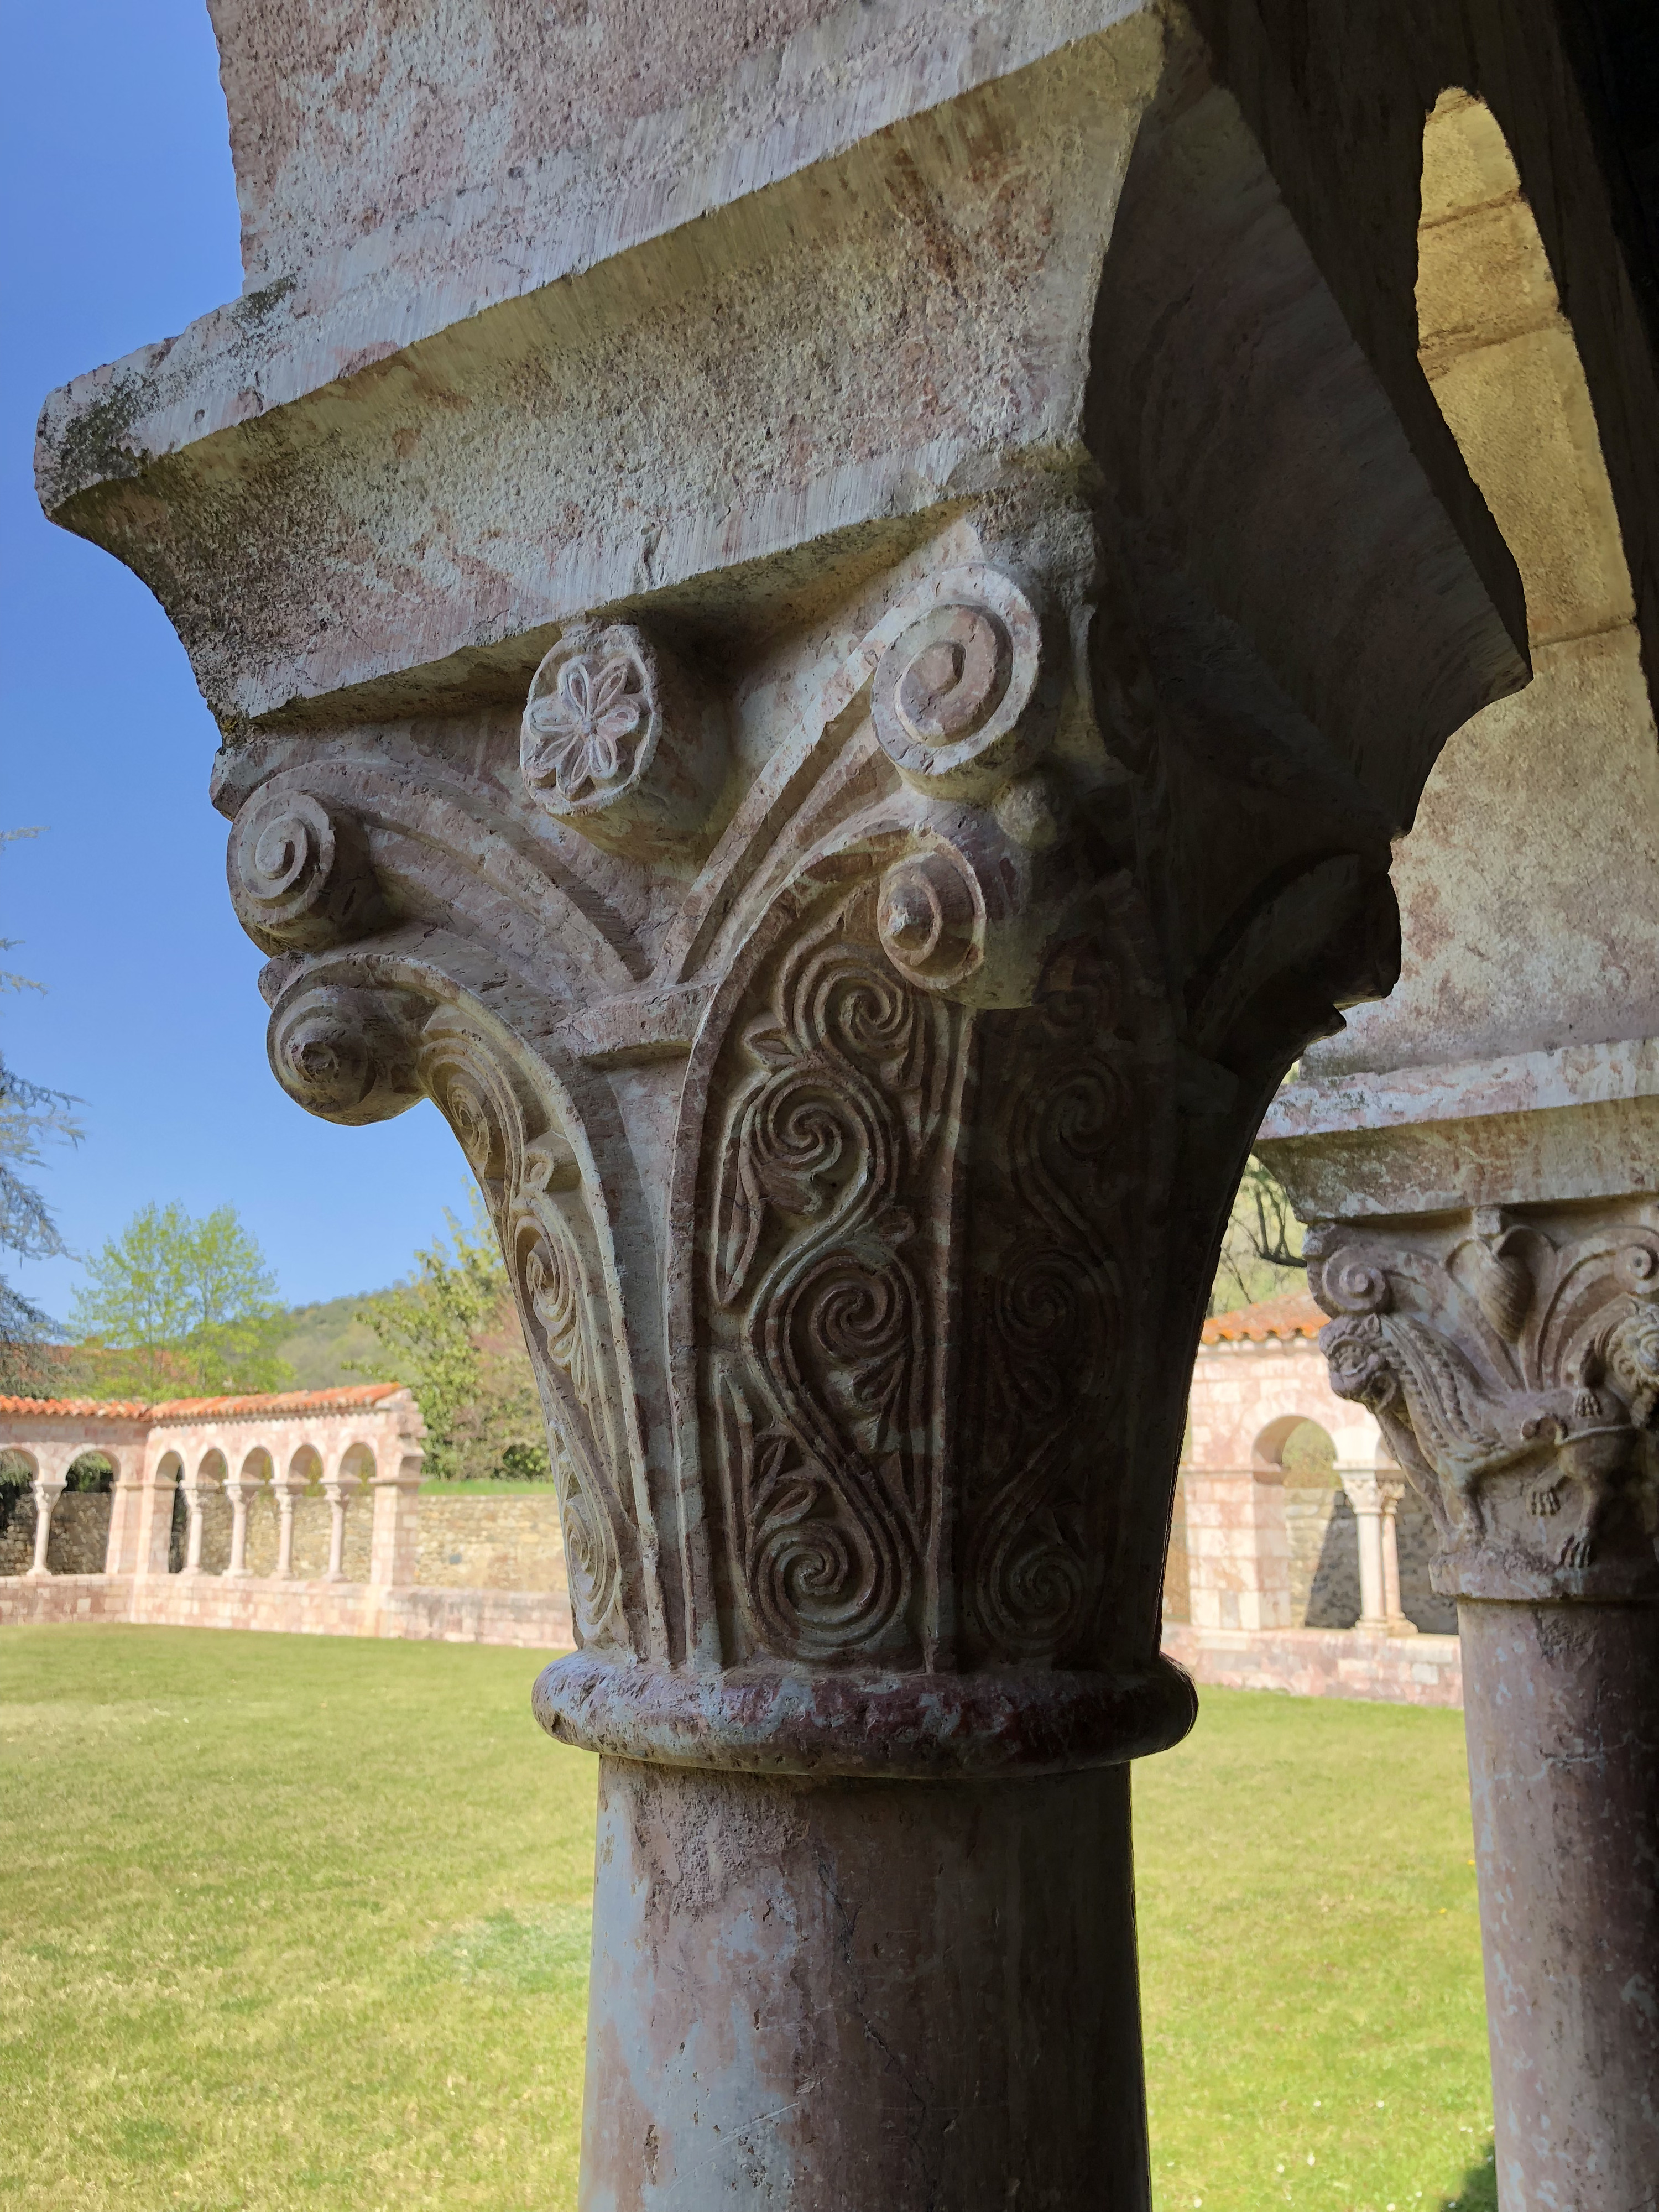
<point>507,1542</point>
<point>16,1530</point>
<point>1311,1662</point>
<point>535,1619</point>
<point>80,1532</point>
<point>1324,1556</point>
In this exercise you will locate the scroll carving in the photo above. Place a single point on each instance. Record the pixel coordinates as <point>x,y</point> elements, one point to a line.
<point>300,875</point>
<point>835,1159</point>
<point>834,1162</point>
<point>528,1172</point>
<point>951,692</point>
<point>1514,1367</point>
<point>1058,1138</point>
<point>345,1055</point>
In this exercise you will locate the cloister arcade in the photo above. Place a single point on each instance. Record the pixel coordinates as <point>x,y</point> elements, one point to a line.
<point>1259,1379</point>
<point>296,1485</point>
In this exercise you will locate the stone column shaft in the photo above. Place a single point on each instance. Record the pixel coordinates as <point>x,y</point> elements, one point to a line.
<point>338,1489</point>
<point>241,1491</point>
<point>121,1554</point>
<point>1390,1494</point>
<point>1512,1359</point>
<point>851,851</point>
<point>288,1489</point>
<point>1562,1707</point>
<point>48,1488</point>
<point>901,2048</point>
<point>192,1490</point>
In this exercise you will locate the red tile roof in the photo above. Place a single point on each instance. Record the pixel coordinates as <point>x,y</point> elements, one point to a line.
<point>1293,1314</point>
<point>267,1404</point>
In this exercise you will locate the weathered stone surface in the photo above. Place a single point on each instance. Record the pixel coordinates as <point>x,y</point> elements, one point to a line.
<point>899,2046</point>
<point>825,621</point>
<point>1481,1157</point>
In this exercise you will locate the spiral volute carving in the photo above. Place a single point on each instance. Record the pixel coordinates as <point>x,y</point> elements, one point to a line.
<point>345,1055</point>
<point>929,920</point>
<point>951,692</point>
<point>300,875</point>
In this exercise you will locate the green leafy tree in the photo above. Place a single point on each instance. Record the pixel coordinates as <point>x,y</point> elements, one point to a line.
<point>30,1114</point>
<point>451,1334</point>
<point>181,1308</point>
<point>1262,1252</point>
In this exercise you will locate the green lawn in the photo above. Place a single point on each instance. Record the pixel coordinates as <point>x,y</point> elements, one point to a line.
<point>296,1921</point>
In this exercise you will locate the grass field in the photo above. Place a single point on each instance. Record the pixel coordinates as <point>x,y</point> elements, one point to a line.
<point>293,1922</point>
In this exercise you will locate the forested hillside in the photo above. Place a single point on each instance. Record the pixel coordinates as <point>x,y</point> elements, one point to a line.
<point>319,1339</point>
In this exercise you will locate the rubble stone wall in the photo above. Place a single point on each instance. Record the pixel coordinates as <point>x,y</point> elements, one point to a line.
<point>511,1542</point>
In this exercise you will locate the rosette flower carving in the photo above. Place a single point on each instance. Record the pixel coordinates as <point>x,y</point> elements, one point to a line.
<point>578,733</point>
<point>620,742</point>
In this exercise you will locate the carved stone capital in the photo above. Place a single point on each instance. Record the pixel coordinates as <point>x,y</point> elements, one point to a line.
<point>1362,1488</point>
<point>854,1172</point>
<point>1511,1358</point>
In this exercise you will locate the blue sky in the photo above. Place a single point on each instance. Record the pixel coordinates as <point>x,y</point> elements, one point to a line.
<point>119,225</point>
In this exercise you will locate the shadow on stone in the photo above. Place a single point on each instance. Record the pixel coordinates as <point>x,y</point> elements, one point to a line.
<point>1334,1597</point>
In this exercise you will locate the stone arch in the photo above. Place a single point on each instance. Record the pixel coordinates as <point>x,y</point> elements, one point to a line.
<point>18,1468</point>
<point>212,1468</point>
<point>306,1464</point>
<point>1298,1454</point>
<point>258,1470</point>
<point>169,1479</point>
<point>79,1541</point>
<point>1495,858</point>
<point>357,1465</point>
<point>1499,354</point>
<point>1268,1461</point>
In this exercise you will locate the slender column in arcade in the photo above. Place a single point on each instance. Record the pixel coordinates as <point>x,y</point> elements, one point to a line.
<point>338,1487</point>
<point>1512,1357</point>
<point>47,1487</point>
<point>241,1489</point>
<point>846,752</point>
<point>290,1489</point>
<point>1365,1495</point>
